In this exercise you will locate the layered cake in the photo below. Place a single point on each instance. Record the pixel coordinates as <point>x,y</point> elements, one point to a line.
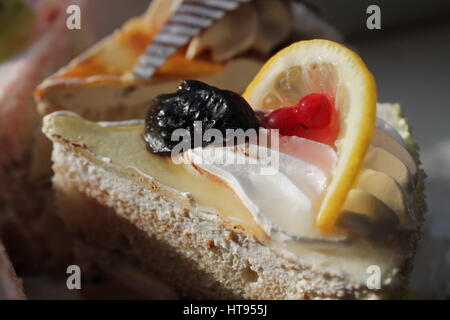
<point>303,188</point>
<point>223,43</point>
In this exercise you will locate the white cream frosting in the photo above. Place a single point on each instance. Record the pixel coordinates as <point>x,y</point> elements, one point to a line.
<point>282,197</point>
<point>285,203</point>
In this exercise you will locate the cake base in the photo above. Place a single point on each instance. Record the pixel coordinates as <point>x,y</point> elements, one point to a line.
<point>191,251</point>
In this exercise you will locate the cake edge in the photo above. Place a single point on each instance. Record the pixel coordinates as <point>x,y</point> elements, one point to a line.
<point>289,282</point>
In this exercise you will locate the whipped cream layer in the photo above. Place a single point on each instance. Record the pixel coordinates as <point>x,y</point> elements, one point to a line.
<point>284,195</point>
<point>279,188</point>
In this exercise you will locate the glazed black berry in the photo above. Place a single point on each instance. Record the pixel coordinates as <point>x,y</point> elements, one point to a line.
<point>195,101</point>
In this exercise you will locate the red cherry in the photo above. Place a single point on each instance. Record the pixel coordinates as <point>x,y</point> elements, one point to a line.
<point>313,118</point>
<point>314,111</point>
<point>283,119</point>
<point>326,135</point>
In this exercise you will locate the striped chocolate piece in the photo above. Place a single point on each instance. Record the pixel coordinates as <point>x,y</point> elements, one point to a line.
<point>188,20</point>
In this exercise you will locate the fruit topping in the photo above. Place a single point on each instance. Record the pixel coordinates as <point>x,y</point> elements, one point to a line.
<point>313,118</point>
<point>195,101</point>
<point>283,119</point>
<point>330,68</point>
<point>314,111</point>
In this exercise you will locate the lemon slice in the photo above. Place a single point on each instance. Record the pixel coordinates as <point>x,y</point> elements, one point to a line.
<point>321,66</point>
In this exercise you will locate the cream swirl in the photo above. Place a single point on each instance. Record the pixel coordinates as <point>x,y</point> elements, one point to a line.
<point>285,202</point>
<point>278,193</point>
<point>382,197</point>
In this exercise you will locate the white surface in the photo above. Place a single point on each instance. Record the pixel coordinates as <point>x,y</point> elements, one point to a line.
<point>412,67</point>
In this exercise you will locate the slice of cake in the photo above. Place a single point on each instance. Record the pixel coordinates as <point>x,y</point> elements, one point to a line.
<point>330,206</point>
<point>222,44</point>
<point>111,81</point>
